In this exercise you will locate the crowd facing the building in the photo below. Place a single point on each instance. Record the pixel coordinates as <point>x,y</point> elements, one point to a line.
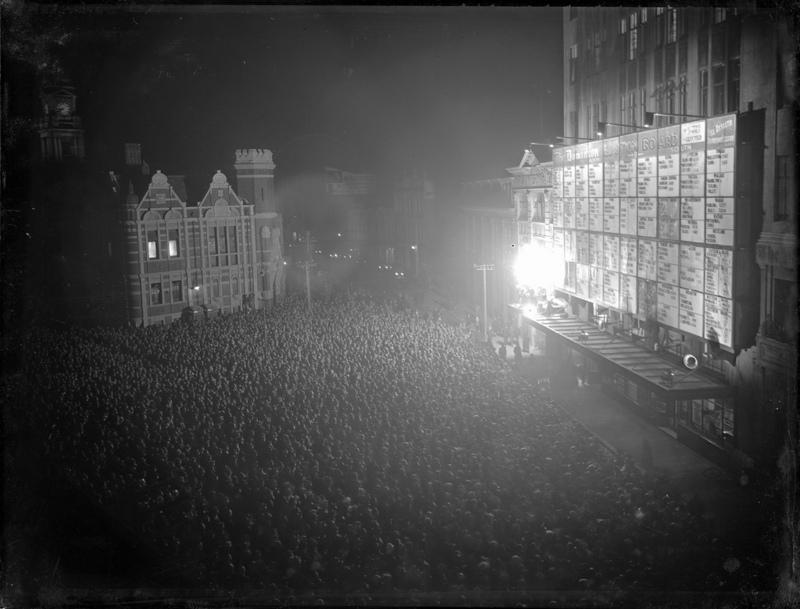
<point>365,446</point>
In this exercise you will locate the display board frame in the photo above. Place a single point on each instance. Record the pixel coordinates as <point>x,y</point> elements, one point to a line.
<point>660,201</point>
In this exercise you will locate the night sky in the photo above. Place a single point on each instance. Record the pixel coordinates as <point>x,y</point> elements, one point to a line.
<point>454,92</point>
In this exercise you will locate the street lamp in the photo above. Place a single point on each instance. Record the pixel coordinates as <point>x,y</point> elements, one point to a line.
<point>484,268</point>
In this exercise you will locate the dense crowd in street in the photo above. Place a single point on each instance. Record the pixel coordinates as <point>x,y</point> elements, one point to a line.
<point>361,446</point>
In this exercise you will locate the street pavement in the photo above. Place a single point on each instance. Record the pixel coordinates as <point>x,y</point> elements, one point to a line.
<point>655,450</point>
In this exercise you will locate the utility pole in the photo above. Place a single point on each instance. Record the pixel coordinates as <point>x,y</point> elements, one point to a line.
<point>264,309</point>
<point>309,241</point>
<point>484,268</point>
<point>307,264</point>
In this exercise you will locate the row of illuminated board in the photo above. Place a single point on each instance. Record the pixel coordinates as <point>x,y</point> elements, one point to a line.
<point>685,309</point>
<point>694,219</point>
<point>706,269</point>
<point>712,184</point>
<point>699,148</point>
<point>685,286</point>
<point>700,174</point>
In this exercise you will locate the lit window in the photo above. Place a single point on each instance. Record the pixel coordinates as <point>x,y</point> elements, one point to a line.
<point>174,250</point>
<point>152,244</point>
<point>573,63</point>
<point>672,25</point>
<point>719,15</point>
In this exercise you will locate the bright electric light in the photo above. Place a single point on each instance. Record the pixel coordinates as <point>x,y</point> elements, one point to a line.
<point>536,267</point>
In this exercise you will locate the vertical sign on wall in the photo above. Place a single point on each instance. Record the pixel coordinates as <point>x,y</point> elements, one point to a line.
<point>720,151</point>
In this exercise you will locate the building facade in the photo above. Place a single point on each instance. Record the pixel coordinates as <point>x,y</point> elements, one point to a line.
<point>677,226</point>
<point>490,244</point>
<point>219,256</point>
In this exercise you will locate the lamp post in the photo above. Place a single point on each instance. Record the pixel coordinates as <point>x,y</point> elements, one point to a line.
<point>484,268</point>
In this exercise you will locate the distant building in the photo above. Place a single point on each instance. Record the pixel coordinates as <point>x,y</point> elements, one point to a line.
<point>491,238</point>
<point>403,236</point>
<point>61,133</point>
<point>221,255</point>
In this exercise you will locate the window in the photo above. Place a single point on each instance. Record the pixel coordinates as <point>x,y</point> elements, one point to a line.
<point>633,37</point>
<point>215,288</point>
<point>152,244</point>
<point>622,109</point>
<point>733,85</point>
<point>684,110</point>
<point>782,187</point>
<point>155,294</point>
<point>233,245</point>
<point>659,26</point>
<point>573,122</point>
<point>670,93</point>
<point>573,63</point>
<point>658,65</point>
<point>642,105</point>
<point>596,118</point>
<point>702,48</point>
<point>703,92</point>
<point>177,291</point>
<point>598,51</point>
<point>222,240</point>
<point>632,108</point>
<point>718,46</point>
<point>718,76</point>
<point>603,111</point>
<point>669,62</point>
<point>174,250</point>
<point>672,25</point>
<point>719,15</point>
<point>683,56</point>
<point>589,126</point>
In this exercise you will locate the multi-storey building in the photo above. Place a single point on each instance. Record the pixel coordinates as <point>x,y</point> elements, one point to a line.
<point>398,236</point>
<point>490,242</point>
<point>675,223</point>
<point>218,256</point>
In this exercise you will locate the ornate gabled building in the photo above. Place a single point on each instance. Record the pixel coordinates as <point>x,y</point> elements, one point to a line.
<point>219,256</point>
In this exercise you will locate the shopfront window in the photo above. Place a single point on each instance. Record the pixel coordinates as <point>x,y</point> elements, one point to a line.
<point>712,418</point>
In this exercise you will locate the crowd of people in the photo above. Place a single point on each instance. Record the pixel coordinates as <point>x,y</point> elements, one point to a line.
<point>359,446</point>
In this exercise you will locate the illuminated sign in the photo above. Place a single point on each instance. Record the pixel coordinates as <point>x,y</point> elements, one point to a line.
<point>648,224</point>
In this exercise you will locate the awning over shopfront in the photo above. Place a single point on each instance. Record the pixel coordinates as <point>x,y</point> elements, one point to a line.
<point>670,380</point>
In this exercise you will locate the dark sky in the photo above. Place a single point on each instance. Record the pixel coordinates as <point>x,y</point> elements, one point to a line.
<point>451,91</point>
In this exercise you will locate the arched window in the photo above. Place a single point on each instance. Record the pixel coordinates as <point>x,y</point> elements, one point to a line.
<point>215,288</point>
<point>235,285</point>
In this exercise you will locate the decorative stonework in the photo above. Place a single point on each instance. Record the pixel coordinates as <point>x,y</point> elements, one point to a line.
<point>254,155</point>
<point>159,179</point>
<point>777,250</point>
<point>219,180</point>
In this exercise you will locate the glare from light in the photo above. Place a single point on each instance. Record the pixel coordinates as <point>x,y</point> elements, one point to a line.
<point>535,267</point>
